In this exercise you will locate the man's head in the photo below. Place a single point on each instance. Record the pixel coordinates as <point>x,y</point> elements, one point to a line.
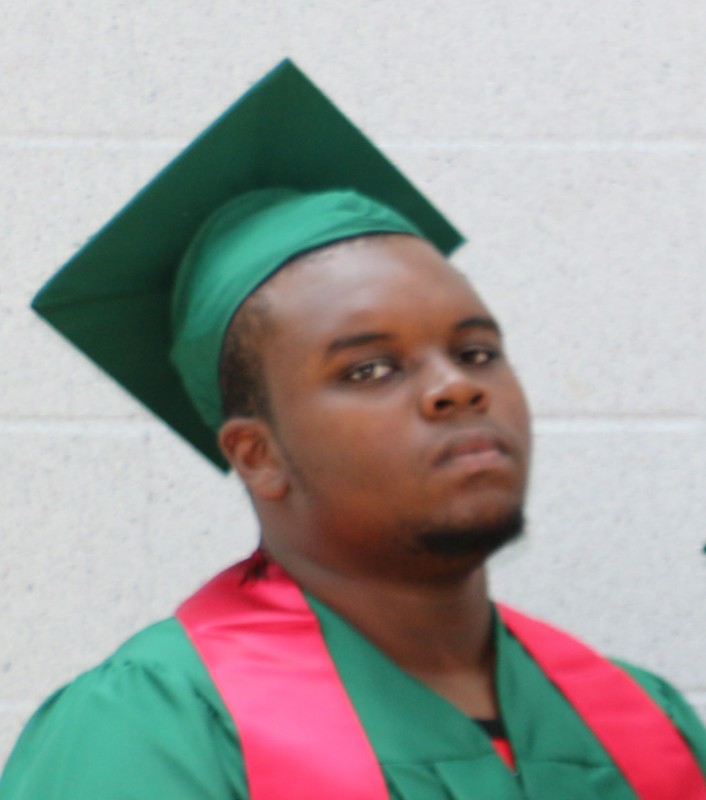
<point>384,412</point>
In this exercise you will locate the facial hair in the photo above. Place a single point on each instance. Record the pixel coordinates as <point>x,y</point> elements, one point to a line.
<point>476,540</point>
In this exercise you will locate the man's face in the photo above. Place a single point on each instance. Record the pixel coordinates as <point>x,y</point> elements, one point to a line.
<point>400,421</point>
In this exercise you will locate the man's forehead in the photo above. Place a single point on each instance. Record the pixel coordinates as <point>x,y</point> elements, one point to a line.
<point>360,260</point>
<point>368,280</point>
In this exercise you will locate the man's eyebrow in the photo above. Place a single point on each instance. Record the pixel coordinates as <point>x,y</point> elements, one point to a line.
<point>355,340</point>
<point>366,337</point>
<point>487,323</point>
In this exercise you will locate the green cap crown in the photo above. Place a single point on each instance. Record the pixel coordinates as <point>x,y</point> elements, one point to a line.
<point>135,299</point>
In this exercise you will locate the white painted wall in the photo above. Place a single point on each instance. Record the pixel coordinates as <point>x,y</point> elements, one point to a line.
<point>567,138</point>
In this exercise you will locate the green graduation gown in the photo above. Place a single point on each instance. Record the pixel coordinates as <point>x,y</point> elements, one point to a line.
<point>149,723</point>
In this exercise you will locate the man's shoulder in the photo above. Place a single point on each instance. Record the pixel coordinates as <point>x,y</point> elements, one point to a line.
<point>659,689</point>
<point>673,703</point>
<point>150,702</point>
<point>161,650</point>
<point>161,645</point>
<point>555,647</point>
<point>155,670</point>
<point>598,684</point>
<point>655,685</point>
<point>158,663</point>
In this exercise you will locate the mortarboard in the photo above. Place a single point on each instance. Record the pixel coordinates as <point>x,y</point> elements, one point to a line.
<point>113,299</point>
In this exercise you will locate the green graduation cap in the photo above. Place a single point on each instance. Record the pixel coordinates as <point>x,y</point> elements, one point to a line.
<point>150,296</point>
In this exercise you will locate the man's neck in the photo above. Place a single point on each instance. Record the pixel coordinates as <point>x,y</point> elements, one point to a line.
<point>439,632</point>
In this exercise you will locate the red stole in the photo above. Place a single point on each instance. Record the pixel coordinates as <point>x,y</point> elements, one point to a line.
<point>301,737</point>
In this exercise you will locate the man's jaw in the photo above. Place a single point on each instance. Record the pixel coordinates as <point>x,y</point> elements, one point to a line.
<point>478,540</point>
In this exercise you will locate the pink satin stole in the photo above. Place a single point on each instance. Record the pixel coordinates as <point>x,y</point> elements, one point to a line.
<point>301,737</point>
<point>633,729</point>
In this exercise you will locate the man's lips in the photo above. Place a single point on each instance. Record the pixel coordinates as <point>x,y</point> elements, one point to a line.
<point>473,450</point>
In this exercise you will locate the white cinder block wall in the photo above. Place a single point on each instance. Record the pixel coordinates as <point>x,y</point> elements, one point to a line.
<point>567,138</point>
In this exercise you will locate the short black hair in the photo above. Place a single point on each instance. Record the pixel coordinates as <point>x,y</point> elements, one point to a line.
<point>241,376</point>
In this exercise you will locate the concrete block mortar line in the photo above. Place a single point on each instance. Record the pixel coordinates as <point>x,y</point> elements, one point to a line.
<point>551,145</point>
<point>79,426</point>
<point>620,423</point>
<point>111,143</point>
<point>542,424</point>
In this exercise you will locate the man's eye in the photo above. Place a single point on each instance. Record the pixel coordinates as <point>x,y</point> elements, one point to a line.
<point>370,371</point>
<point>478,356</point>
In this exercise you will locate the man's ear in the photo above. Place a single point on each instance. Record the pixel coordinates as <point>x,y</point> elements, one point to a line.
<point>249,447</point>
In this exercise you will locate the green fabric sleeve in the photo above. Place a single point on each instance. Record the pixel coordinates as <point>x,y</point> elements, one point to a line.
<point>146,724</point>
<point>676,708</point>
<point>149,724</point>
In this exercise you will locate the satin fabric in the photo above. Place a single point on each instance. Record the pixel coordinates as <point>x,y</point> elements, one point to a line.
<point>264,650</point>
<point>149,723</point>
<point>638,736</point>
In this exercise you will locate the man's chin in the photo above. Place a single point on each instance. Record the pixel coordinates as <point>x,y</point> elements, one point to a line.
<point>480,540</point>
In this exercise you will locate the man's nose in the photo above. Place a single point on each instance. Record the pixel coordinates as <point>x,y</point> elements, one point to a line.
<point>450,387</point>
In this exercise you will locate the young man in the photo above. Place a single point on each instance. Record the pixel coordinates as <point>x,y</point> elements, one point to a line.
<point>358,386</point>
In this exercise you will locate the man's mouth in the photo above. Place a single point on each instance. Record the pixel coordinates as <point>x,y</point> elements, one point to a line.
<point>473,451</point>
